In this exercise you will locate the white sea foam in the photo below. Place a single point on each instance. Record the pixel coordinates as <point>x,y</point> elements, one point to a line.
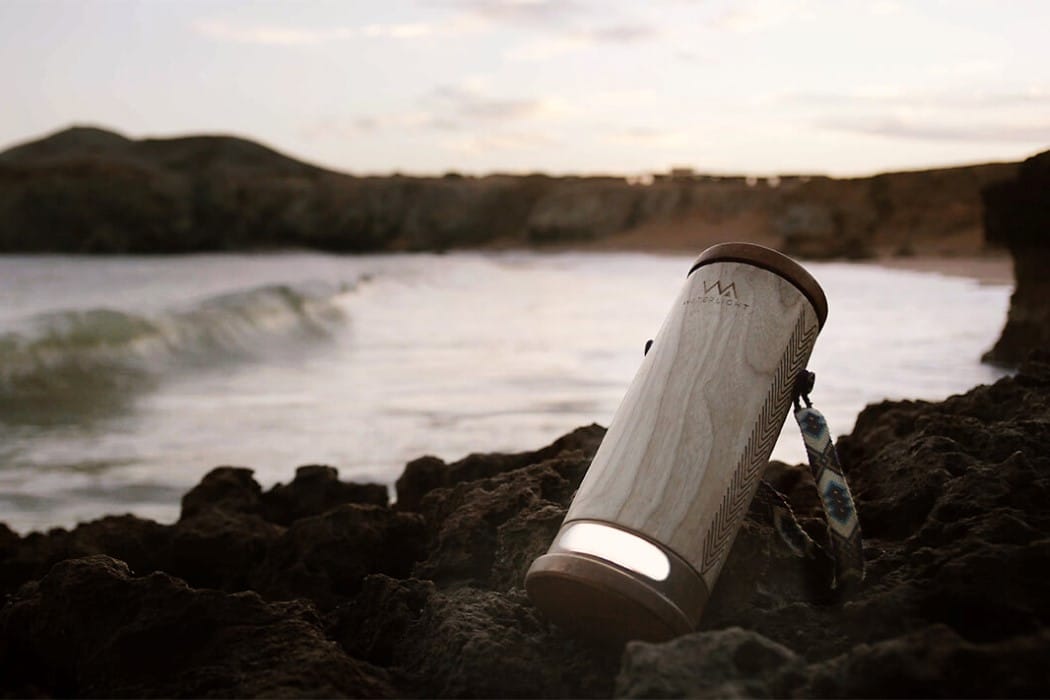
<point>56,352</point>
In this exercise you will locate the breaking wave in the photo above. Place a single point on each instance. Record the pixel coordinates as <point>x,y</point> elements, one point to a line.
<point>65,351</point>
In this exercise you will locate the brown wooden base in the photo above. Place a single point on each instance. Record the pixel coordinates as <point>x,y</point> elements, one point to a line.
<point>596,599</point>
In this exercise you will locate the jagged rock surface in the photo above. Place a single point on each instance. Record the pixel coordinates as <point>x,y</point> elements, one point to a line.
<point>424,598</point>
<point>91,628</point>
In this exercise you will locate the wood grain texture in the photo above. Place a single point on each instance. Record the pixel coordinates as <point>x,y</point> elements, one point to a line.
<point>682,457</point>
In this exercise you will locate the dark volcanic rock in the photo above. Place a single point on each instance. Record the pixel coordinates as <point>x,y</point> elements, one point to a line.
<point>325,557</point>
<point>728,663</point>
<point>230,489</point>
<point>8,539</point>
<point>477,527</point>
<point>469,642</point>
<point>375,624</point>
<point>143,544</point>
<point>219,549</point>
<point>933,662</point>
<point>427,473</point>
<point>479,643</point>
<point>315,489</point>
<point>426,599</point>
<point>316,537</point>
<point>91,628</point>
<point>1017,216</point>
<point>229,535</point>
<point>489,516</point>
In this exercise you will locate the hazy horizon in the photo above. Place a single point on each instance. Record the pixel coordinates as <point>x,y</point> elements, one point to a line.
<point>521,173</point>
<point>570,87</point>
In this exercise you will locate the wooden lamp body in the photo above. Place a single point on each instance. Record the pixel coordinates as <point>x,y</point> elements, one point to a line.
<point>684,454</point>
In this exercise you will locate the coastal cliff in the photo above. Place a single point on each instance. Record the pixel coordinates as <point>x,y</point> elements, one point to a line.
<point>1017,217</point>
<point>87,190</point>
<point>321,588</point>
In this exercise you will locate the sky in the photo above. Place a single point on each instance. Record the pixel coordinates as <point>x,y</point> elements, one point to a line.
<point>559,86</point>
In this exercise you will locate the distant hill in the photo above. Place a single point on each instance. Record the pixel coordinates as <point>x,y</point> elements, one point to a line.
<point>90,190</point>
<point>190,152</point>
<point>77,141</point>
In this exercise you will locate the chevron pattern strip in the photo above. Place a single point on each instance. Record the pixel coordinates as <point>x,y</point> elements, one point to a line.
<point>760,442</point>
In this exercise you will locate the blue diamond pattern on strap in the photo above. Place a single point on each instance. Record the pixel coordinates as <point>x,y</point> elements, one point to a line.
<point>841,505</point>
<point>843,525</point>
<point>812,424</point>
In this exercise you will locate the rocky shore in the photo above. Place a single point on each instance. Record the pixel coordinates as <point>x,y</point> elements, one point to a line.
<point>322,588</point>
<point>88,190</point>
<point>1017,217</point>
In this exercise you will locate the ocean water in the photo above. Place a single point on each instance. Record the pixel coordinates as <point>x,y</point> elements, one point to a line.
<point>124,379</point>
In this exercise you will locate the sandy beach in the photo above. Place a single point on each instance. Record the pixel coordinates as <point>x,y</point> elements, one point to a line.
<point>995,268</point>
<point>962,255</point>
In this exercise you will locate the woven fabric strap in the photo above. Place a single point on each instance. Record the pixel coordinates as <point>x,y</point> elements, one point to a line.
<point>846,549</point>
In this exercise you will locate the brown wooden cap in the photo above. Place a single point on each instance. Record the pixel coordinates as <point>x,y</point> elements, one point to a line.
<point>775,262</point>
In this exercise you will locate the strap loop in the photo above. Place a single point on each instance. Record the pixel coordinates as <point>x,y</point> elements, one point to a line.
<point>804,383</point>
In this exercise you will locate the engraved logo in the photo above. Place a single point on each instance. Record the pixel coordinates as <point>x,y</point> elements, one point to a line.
<point>727,291</point>
<point>719,293</point>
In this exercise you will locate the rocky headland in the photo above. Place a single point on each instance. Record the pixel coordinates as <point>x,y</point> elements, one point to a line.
<point>1017,217</point>
<point>88,190</point>
<point>322,588</point>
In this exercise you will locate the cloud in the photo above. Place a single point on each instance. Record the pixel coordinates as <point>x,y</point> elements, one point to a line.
<point>399,31</point>
<point>691,55</point>
<point>967,69</point>
<point>626,33</point>
<point>564,17</point>
<point>545,49</point>
<point>562,25</point>
<point>465,107</point>
<point>566,42</point>
<point>759,15</point>
<point>523,12</point>
<point>487,143</point>
<point>941,130</point>
<point>890,97</point>
<point>268,35</point>
<point>472,104</point>
<point>271,35</point>
<point>354,127</point>
<point>649,137</point>
<point>886,7</point>
<point>955,114</point>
